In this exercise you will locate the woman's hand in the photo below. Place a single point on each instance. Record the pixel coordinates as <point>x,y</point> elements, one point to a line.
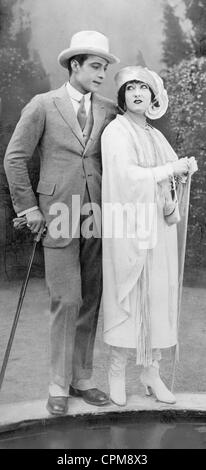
<point>192,164</point>
<point>181,166</point>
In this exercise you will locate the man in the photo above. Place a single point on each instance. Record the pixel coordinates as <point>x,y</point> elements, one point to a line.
<point>66,125</point>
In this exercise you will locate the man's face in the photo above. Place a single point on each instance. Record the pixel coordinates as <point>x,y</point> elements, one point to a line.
<point>90,75</point>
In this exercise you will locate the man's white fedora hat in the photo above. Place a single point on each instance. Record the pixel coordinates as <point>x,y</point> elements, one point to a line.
<point>87,42</point>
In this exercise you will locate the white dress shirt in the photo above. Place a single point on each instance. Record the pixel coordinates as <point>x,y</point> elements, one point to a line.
<point>75,97</point>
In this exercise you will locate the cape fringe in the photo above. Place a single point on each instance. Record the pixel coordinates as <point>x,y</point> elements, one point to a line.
<point>144,346</point>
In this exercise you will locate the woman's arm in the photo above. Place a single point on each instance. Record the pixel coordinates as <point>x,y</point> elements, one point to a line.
<point>117,147</point>
<point>169,169</point>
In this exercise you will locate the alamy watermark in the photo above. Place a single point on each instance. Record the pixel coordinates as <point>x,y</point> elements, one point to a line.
<point>113,220</point>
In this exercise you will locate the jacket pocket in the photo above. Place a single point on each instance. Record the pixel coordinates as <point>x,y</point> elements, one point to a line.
<point>46,187</point>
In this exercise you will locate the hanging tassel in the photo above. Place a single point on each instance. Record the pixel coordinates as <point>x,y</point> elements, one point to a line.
<point>144,347</point>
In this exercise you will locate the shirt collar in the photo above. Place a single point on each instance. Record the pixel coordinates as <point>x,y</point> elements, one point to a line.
<point>76,95</point>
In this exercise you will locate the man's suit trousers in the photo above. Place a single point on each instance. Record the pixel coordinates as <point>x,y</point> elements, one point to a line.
<point>74,279</point>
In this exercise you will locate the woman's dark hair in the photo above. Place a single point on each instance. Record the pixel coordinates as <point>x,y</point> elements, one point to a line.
<point>80,58</point>
<point>121,94</point>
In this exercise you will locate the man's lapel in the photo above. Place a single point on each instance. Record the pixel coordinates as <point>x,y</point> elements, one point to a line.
<point>66,110</point>
<point>99,111</point>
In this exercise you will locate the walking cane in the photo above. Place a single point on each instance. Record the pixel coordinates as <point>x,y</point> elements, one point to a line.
<point>184,200</point>
<point>181,272</point>
<point>19,223</point>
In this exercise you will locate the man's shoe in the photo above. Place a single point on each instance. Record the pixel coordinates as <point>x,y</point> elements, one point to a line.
<point>57,405</point>
<point>93,396</point>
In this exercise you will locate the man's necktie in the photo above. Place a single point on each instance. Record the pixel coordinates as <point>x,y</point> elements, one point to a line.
<point>81,115</point>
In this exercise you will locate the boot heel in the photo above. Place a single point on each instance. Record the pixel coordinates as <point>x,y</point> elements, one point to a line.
<point>155,386</point>
<point>148,391</point>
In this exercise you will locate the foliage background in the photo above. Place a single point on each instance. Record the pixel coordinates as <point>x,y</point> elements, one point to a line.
<point>183,59</point>
<point>185,123</point>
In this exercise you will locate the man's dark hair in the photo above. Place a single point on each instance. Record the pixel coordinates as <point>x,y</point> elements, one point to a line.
<point>121,94</point>
<point>80,58</point>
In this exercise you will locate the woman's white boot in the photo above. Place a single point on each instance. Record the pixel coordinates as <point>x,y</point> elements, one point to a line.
<point>116,375</point>
<point>153,384</point>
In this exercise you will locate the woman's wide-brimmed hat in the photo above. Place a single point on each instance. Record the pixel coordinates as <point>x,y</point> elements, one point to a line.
<point>153,80</point>
<point>87,42</point>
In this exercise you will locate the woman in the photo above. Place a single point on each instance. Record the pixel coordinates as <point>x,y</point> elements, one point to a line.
<point>140,264</point>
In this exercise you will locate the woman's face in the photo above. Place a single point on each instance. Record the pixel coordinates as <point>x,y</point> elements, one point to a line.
<point>137,97</point>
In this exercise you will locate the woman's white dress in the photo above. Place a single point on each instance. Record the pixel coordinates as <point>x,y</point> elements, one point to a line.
<point>140,279</point>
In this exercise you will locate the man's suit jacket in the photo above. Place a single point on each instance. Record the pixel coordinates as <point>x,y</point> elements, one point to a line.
<point>66,163</point>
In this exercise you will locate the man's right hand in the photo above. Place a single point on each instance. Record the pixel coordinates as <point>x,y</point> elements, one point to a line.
<point>35,220</point>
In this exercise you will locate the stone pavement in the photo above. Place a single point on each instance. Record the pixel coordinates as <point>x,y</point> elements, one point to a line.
<point>25,385</point>
<point>27,414</point>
